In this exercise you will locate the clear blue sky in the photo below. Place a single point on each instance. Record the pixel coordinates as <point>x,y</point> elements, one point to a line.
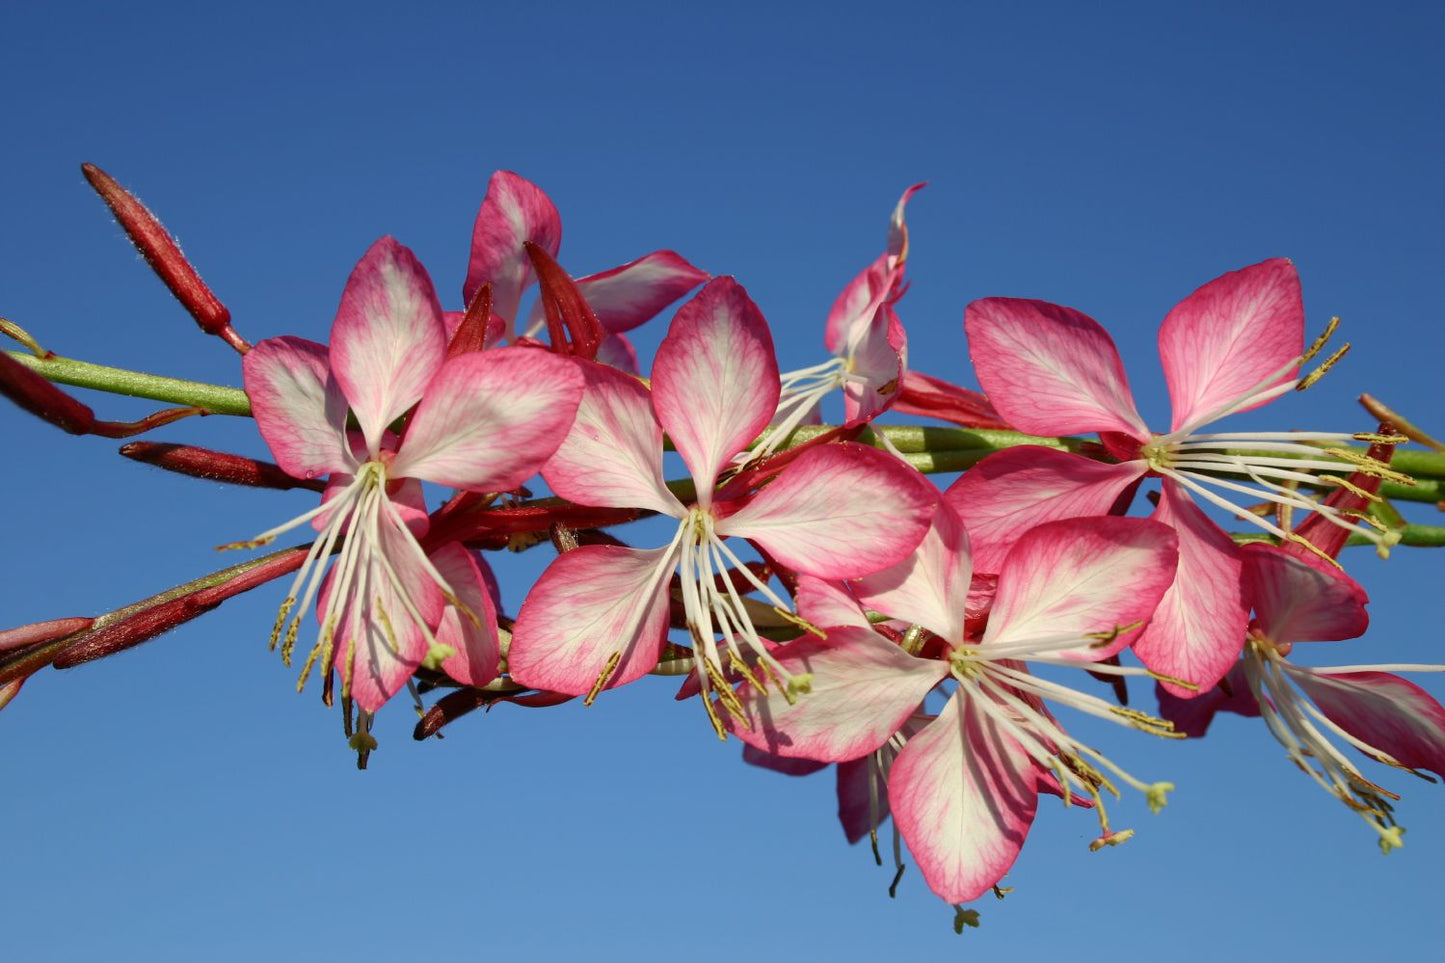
<point>182,802</point>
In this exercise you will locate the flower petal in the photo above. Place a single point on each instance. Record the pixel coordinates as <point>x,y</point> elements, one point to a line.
<point>590,604</point>
<point>963,795</point>
<point>298,407</point>
<point>1048,369</point>
<point>478,649</point>
<point>1198,630</point>
<point>715,380</point>
<point>1300,598</point>
<point>636,292</point>
<point>863,688</point>
<point>754,756</point>
<point>388,338</point>
<point>1193,716</point>
<point>929,587</point>
<point>1230,335</point>
<point>827,603</point>
<point>514,211</point>
<point>877,361</point>
<point>838,511</point>
<point>1392,714</point>
<point>491,419</point>
<point>1011,491</point>
<point>1082,575</point>
<point>612,456</point>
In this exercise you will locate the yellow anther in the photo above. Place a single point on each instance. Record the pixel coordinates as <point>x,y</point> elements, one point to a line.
<point>602,677</point>
<point>1112,839</point>
<point>1370,466</point>
<point>800,622</point>
<point>348,666</point>
<point>1181,683</point>
<point>1321,341</point>
<point>1314,376</point>
<point>286,607</point>
<point>250,543</point>
<point>306,669</point>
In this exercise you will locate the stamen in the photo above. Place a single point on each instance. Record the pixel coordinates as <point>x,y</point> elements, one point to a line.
<point>602,677</point>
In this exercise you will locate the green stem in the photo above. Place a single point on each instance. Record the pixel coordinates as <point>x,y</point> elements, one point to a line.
<point>217,399</point>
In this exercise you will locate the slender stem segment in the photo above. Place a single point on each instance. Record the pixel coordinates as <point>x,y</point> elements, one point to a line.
<point>217,399</point>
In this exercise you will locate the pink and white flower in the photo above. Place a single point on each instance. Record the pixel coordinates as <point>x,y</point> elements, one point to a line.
<point>482,421</point>
<point>598,617</point>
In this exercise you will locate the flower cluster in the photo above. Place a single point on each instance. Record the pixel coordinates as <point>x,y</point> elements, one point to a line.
<point>824,600</point>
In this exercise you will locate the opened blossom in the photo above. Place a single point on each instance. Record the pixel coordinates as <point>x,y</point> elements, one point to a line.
<point>963,790</point>
<point>482,421</point>
<point>1234,344</point>
<point>598,617</point>
<point>516,212</point>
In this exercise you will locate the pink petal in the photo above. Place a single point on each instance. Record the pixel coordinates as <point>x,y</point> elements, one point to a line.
<point>932,397</point>
<point>897,227</point>
<point>963,795</point>
<point>617,352</point>
<point>513,212</point>
<point>1082,575</point>
<point>636,292</point>
<point>879,359</point>
<point>839,511</point>
<point>478,650</point>
<point>826,604</point>
<point>612,456</point>
<point>715,381</point>
<point>1392,714</point>
<point>858,302</point>
<point>754,756</point>
<point>1013,490</point>
<point>862,798</point>
<point>1230,335</point>
<point>1193,716</point>
<point>298,408</point>
<point>591,603</point>
<point>490,419</point>
<point>388,338</point>
<point>929,587</point>
<point>1048,369</point>
<point>863,688</point>
<point>1198,630</point>
<point>1299,598</point>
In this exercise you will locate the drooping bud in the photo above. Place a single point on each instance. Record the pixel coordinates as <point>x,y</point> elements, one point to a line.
<point>164,256</point>
<point>480,329</point>
<point>216,466</point>
<point>568,313</point>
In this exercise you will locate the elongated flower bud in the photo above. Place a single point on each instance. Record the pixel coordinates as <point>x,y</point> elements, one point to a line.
<point>216,466</point>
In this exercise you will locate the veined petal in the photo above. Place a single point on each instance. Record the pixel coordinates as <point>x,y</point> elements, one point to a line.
<point>617,351</point>
<point>715,380</point>
<point>1392,714</point>
<point>388,338</point>
<point>1301,598</point>
<point>1198,630</point>
<point>929,587</point>
<point>863,688</point>
<point>877,359</point>
<point>591,603</point>
<point>963,795</point>
<point>636,292</point>
<point>477,646</point>
<point>513,212</point>
<point>1013,490</point>
<point>490,419</point>
<point>827,603</point>
<point>1082,575</point>
<point>299,409</point>
<point>857,303</point>
<point>612,456</point>
<point>1231,334</point>
<point>838,511</point>
<point>1048,369</point>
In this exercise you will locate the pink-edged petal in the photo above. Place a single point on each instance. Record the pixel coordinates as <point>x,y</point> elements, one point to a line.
<point>715,380</point>
<point>1392,714</point>
<point>478,650</point>
<point>388,338</point>
<point>827,603</point>
<point>898,227</point>
<point>1011,491</point>
<point>1198,630</point>
<point>491,419</point>
<point>839,511</point>
<point>513,212</point>
<point>858,302</point>
<point>1082,575</point>
<point>591,603</point>
<point>877,361</point>
<point>931,397</point>
<point>636,292</point>
<point>863,688</point>
<point>1230,336</point>
<point>1048,369</point>
<point>929,587</point>
<point>298,407</point>
<point>377,641</point>
<point>612,457</point>
<point>1193,716</point>
<point>862,798</point>
<point>754,756</point>
<point>1302,598</point>
<point>964,795</point>
<point>616,351</point>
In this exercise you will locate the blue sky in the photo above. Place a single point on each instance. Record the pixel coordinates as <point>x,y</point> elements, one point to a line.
<point>182,801</point>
